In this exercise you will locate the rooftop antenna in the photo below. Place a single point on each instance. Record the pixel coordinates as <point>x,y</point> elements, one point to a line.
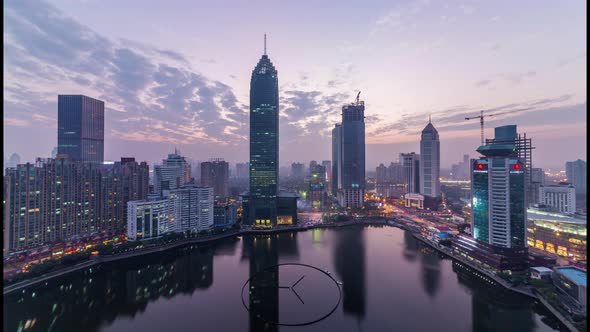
<point>429,118</point>
<point>265,44</point>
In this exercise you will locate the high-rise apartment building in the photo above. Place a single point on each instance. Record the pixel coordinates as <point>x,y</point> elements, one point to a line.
<point>62,199</point>
<point>351,155</point>
<point>80,128</point>
<point>336,153</point>
<point>430,162</point>
<point>328,166</point>
<point>537,180</point>
<point>411,171</point>
<point>215,174</point>
<point>316,185</point>
<point>576,175</point>
<point>560,197</point>
<point>193,208</point>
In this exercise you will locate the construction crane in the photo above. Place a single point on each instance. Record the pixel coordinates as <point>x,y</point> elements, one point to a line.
<point>481,116</point>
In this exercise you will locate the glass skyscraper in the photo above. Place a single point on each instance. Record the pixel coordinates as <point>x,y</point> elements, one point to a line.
<point>264,144</point>
<point>80,128</point>
<point>350,154</point>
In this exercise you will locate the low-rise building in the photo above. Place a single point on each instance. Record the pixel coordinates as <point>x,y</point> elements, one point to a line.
<point>572,282</point>
<point>557,233</point>
<point>225,215</point>
<point>561,197</point>
<point>541,273</point>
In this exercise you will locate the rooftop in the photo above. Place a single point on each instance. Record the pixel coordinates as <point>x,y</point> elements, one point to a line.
<point>573,273</point>
<point>541,269</point>
<point>536,214</point>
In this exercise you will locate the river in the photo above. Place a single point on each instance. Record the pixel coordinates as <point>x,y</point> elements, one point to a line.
<point>389,282</point>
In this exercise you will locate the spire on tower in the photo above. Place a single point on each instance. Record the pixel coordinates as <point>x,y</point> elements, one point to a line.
<point>429,118</point>
<point>265,44</point>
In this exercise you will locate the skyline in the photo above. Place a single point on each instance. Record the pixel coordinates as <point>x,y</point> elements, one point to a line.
<point>49,53</point>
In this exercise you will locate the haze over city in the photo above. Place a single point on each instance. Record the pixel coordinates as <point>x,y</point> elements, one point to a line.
<point>178,75</point>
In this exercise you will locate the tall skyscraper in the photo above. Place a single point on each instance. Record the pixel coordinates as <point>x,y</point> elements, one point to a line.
<point>430,162</point>
<point>215,174</point>
<point>336,153</point>
<point>498,207</point>
<point>264,143</point>
<point>576,175</point>
<point>498,191</point>
<point>351,155</point>
<point>80,128</point>
<point>411,165</point>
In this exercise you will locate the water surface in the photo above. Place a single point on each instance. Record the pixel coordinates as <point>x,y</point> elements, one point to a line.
<point>390,282</point>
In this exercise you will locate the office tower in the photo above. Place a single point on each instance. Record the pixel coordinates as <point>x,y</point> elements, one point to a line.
<point>411,165</point>
<point>297,170</point>
<point>351,155</point>
<point>149,218</point>
<point>264,143</point>
<point>173,173</point>
<point>498,208</point>
<point>537,180</point>
<point>317,185</point>
<point>524,149</point>
<point>80,128</point>
<point>381,174</point>
<point>576,175</point>
<point>242,170</point>
<point>193,208</point>
<point>560,197</point>
<point>328,166</point>
<point>54,152</point>
<point>430,162</point>
<point>66,199</point>
<point>215,174</point>
<point>336,153</point>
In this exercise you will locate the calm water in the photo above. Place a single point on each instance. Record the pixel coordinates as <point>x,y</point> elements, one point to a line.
<point>390,282</point>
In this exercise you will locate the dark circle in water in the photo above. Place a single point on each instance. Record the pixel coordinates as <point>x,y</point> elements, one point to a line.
<point>303,322</point>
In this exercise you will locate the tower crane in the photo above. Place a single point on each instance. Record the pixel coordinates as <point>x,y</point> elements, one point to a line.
<point>481,116</point>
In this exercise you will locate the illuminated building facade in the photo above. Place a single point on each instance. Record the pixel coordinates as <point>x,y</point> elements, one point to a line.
<point>264,144</point>
<point>58,200</point>
<point>148,219</point>
<point>561,197</point>
<point>557,233</point>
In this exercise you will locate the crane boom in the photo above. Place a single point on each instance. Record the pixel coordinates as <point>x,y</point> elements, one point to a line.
<point>481,116</point>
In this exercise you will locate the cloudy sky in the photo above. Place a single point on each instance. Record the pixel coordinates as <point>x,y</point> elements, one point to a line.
<point>177,73</point>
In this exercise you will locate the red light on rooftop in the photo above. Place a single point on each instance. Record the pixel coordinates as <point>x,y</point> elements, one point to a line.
<point>516,166</point>
<point>479,166</point>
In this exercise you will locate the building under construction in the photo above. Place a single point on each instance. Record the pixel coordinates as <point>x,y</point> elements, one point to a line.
<point>524,147</point>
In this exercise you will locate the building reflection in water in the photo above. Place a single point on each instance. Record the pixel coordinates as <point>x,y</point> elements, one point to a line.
<point>349,261</point>
<point>85,300</point>
<point>411,247</point>
<point>430,263</point>
<point>493,307</point>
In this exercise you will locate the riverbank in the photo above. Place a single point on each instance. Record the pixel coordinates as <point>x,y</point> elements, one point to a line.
<point>527,291</point>
<point>97,260</point>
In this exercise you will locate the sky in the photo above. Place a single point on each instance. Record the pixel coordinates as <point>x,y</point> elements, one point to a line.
<point>176,74</point>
